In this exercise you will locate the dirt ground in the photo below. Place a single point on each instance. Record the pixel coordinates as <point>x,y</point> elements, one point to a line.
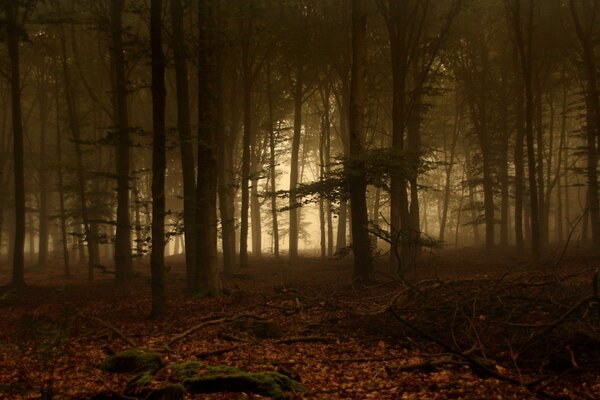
<point>56,332</point>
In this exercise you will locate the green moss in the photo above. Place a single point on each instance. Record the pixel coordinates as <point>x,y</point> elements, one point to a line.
<point>222,369</point>
<point>141,380</point>
<point>133,360</point>
<point>187,369</point>
<point>167,392</point>
<point>271,384</point>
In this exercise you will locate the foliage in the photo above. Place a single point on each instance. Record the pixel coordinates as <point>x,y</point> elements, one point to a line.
<point>378,166</point>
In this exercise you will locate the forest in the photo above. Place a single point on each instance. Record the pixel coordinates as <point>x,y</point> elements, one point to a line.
<point>299,199</point>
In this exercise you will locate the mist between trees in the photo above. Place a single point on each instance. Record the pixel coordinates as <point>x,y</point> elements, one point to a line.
<point>134,130</point>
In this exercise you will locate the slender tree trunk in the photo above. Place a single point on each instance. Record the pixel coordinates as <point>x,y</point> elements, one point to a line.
<point>123,261</point>
<point>12,42</point>
<point>519,170</point>
<point>294,178</point>
<point>449,167</point>
<point>247,78</point>
<point>255,166</point>
<point>226,188</point>
<point>43,235</point>
<point>186,143</point>
<point>61,188</point>
<point>539,140</point>
<point>272,166</point>
<point>356,173</point>
<point>159,162</point>
<point>210,127</point>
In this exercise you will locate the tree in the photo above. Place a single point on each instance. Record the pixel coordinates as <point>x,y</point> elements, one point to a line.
<point>185,138</point>
<point>356,168</point>
<point>123,268</point>
<point>159,162</point>
<point>210,126</point>
<point>14,31</point>
<point>587,43</point>
<point>523,32</point>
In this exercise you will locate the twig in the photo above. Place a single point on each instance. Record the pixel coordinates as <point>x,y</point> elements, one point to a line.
<point>306,339</point>
<point>207,354</point>
<point>109,326</point>
<point>201,325</point>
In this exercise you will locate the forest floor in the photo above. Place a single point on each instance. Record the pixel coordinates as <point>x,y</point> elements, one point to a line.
<point>342,341</point>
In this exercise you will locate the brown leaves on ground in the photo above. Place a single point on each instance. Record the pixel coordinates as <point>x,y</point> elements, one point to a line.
<point>54,337</point>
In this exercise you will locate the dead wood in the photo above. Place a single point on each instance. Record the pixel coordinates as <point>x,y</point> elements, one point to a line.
<point>109,326</point>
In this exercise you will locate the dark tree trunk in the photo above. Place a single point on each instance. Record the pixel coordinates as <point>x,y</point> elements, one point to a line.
<point>210,127</point>
<point>519,168</point>
<point>12,42</point>
<point>247,78</point>
<point>272,167</point>
<point>256,167</point>
<point>89,232</point>
<point>123,261</point>
<point>159,162</point>
<point>356,169</point>
<point>61,189</point>
<point>449,167</point>
<point>294,178</point>
<point>586,41</point>
<point>226,188</point>
<point>186,143</point>
<point>43,235</point>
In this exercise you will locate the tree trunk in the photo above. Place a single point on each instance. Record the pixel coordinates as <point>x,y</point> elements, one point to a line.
<point>210,127</point>
<point>159,162</point>
<point>61,189</point>
<point>294,218</point>
<point>186,143</point>
<point>449,167</point>
<point>43,235</point>
<point>247,78</point>
<point>226,188</point>
<point>123,262</point>
<point>12,42</point>
<point>356,171</point>
<point>587,42</point>
<point>272,166</point>
<point>255,167</point>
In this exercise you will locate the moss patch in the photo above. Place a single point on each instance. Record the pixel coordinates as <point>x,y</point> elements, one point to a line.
<point>187,369</point>
<point>271,384</point>
<point>141,380</point>
<point>133,361</point>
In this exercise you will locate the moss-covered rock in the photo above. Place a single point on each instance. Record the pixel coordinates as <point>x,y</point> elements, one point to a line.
<point>133,360</point>
<point>271,384</point>
<point>186,369</point>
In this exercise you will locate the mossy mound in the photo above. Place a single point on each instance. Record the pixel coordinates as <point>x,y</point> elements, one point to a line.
<point>268,383</point>
<point>133,360</point>
<point>186,369</point>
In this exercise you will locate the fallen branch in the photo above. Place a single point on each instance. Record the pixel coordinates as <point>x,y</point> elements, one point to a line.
<point>201,325</point>
<point>218,352</point>
<point>307,339</point>
<point>109,326</point>
<point>429,365</point>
